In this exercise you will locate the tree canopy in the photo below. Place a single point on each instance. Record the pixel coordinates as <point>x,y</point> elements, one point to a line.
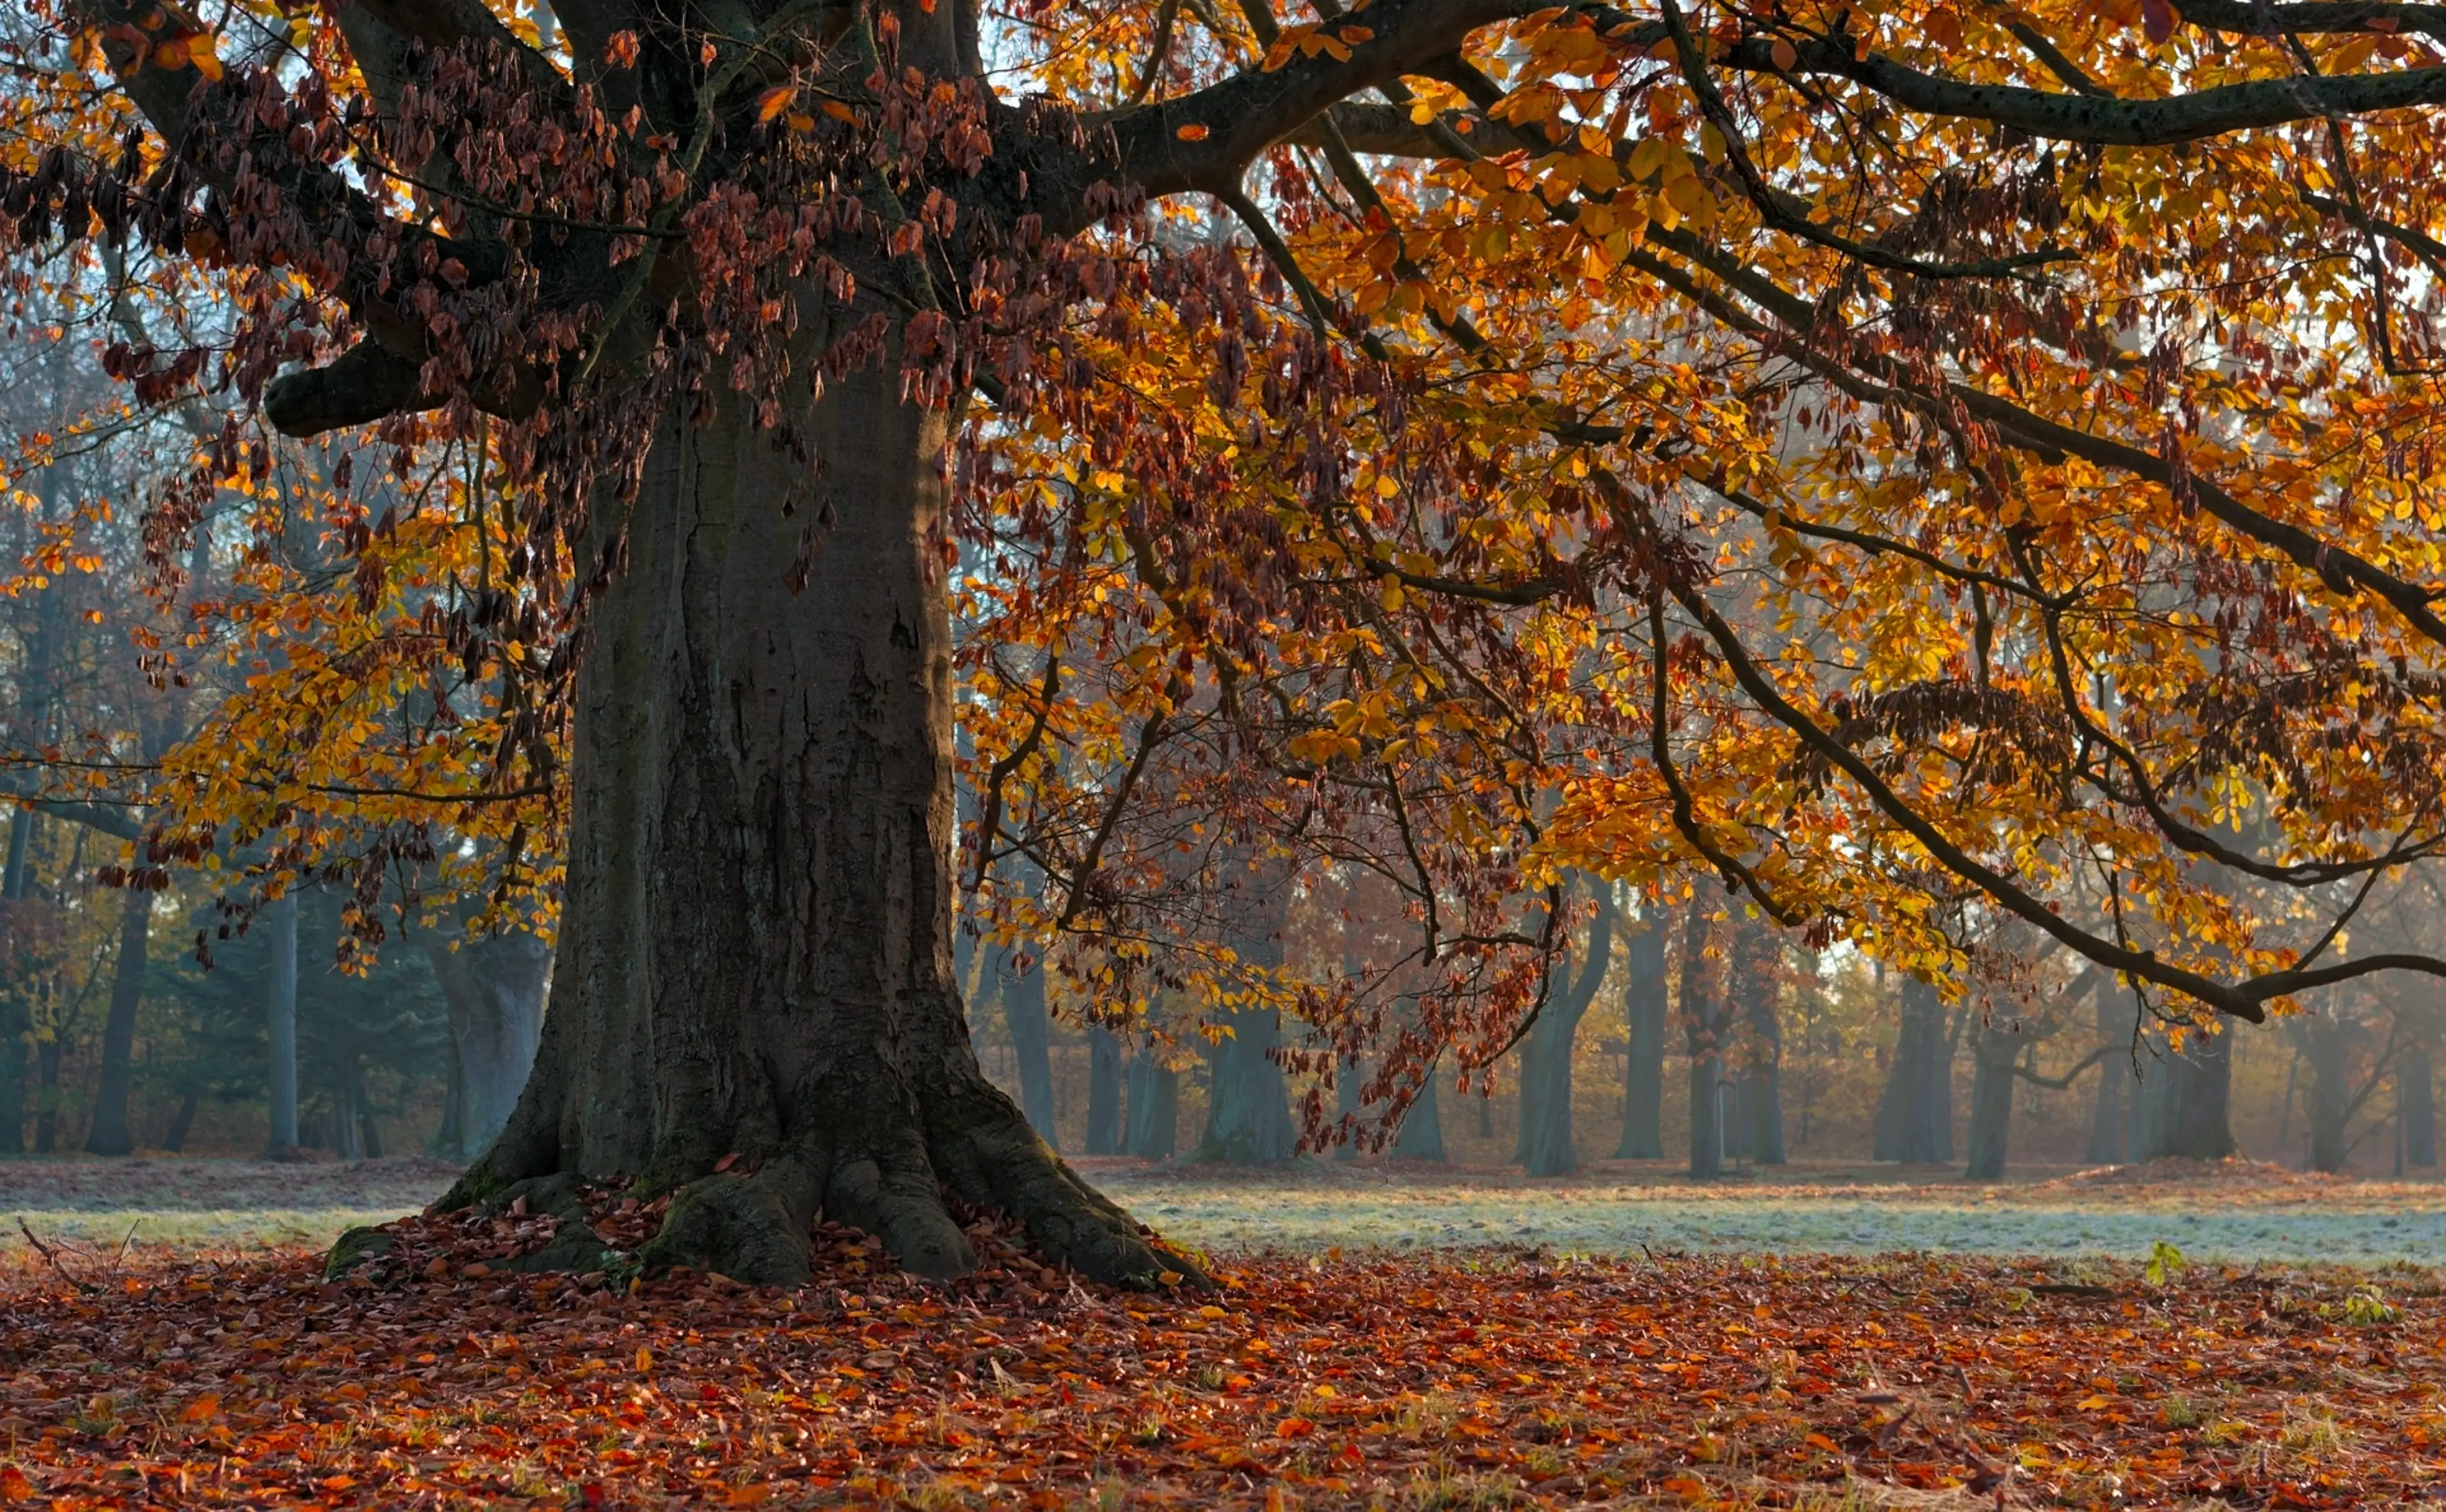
<point>1917,462</point>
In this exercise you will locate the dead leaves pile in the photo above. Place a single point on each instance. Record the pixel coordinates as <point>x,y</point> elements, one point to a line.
<point>1451,1380</point>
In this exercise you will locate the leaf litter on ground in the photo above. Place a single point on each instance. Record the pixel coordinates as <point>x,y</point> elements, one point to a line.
<point>1473,1378</point>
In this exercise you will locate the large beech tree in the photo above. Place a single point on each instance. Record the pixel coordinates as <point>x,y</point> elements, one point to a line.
<point>1860,450</point>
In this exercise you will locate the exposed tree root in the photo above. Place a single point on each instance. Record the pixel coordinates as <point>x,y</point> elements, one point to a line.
<point>753,1225</point>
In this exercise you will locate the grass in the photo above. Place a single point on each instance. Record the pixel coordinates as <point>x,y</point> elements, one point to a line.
<point>2238,1214</point>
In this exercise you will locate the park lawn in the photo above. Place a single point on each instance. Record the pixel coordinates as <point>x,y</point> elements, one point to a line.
<point>1415,1380</point>
<point>2240,1212</point>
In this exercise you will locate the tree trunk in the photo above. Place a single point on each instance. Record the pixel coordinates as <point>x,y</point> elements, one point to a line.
<point>16,1032</point>
<point>756,929</point>
<point>1992,1054</point>
<point>1708,1116</point>
<point>2415,1104</point>
<point>280,1021</point>
<point>1644,1010</point>
<point>493,986</point>
<point>1346,1077</point>
<point>2186,1101</point>
<point>1103,1092</point>
<point>1704,1024</point>
<point>47,1096</point>
<point>2110,1115</point>
<point>173,1139</point>
<point>1915,1114</point>
<point>1155,1107</point>
<point>110,1134</point>
<point>1546,1056</point>
<point>1022,990</point>
<point>2327,1044</point>
<point>1761,1078</point>
<point>1422,1135</point>
<point>1248,1099</point>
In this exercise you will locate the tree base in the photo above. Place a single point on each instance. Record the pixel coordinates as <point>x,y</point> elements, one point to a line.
<point>754,1224</point>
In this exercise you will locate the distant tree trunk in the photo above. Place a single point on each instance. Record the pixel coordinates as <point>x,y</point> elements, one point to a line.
<point>16,1021</point>
<point>2415,1104</point>
<point>1915,1114</point>
<point>1155,1107</point>
<point>450,1140</point>
<point>1704,1021</point>
<point>47,1096</point>
<point>493,988</point>
<point>1103,1092</point>
<point>1486,1105</point>
<point>1346,1077</point>
<point>1248,1099</point>
<point>280,1021</point>
<point>1644,1009</point>
<point>1993,1052</point>
<point>2327,1043</point>
<point>1422,1135</point>
<point>173,1139</point>
<point>2185,1100</point>
<point>1031,1039</point>
<point>2110,1114</point>
<point>110,1134</point>
<point>1762,1047</point>
<point>1545,1144</point>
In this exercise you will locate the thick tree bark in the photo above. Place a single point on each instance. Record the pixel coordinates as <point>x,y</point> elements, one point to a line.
<point>16,1014</point>
<point>1020,984</point>
<point>1545,1141</point>
<point>756,948</point>
<point>494,989</point>
<point>1644,1007</point>
<point>110,1134</point>
<point>280,1022</point>
<point>1915,1113</point>
<point>1104,1090</point>
<point>2415,1104</point>
<point>2185,1099</point>
<point>1155,1107</point>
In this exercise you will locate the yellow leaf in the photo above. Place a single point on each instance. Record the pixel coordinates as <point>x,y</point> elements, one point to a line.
<point>645,1359</point>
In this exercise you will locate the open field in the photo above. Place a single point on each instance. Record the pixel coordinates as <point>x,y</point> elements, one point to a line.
<point>2240,1212</point>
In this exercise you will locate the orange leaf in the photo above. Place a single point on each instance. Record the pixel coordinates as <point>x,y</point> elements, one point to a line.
<point>1786,56</point>
<point>1193,132</point>
<point>732,1159</point>
<point>768,104</point>
<point>1295,1427</point>
<point>201,1409</point>
<point>645,1359</point>
<point>13,1485</point>
<point>838,111</point>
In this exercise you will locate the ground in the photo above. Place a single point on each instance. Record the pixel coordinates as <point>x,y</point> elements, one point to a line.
<point>199,1366</point>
